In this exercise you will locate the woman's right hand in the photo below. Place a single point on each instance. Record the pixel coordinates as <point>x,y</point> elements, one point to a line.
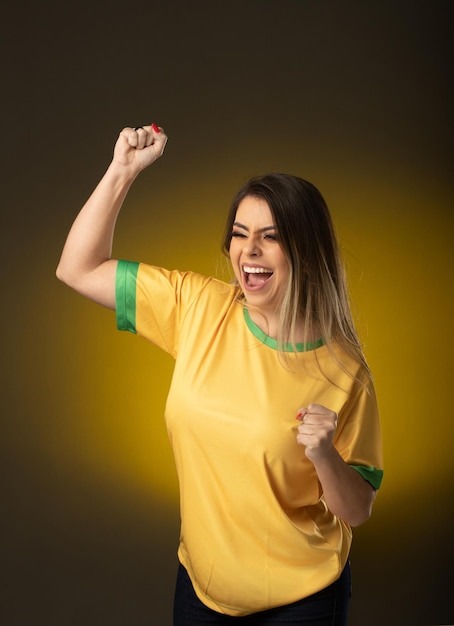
<point>138,148</point>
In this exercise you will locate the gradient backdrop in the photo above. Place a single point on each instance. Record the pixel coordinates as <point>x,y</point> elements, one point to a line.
<point>354,96</point>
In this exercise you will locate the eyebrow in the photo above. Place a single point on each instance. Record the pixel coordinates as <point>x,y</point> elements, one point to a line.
<point>260,230</point>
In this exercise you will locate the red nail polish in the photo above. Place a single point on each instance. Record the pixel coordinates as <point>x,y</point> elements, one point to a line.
<point>155,128</point>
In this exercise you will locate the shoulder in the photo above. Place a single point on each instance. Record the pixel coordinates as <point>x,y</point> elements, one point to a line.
<point>184,283</point>
<point>343,368</point>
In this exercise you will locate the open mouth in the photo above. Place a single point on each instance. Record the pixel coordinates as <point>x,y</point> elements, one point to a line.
<point>256,276</point>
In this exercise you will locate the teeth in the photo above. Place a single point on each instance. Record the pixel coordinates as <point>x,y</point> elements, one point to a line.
<point>256,270</point>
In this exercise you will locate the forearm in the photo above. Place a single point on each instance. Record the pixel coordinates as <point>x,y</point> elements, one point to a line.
<point>89,242</point>
<point>346,493</point>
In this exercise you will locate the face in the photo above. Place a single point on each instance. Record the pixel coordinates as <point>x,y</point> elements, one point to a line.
<point>257,258</point>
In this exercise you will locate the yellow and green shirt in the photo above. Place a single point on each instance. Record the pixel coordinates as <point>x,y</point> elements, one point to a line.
<point>255,530</point>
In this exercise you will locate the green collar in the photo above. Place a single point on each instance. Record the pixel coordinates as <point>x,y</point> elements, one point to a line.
<point>272,343</point>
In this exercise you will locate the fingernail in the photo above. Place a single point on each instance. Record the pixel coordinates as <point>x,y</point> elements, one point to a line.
<point>155,128</point>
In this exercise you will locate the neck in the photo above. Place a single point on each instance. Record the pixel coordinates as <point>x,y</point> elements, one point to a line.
<point>268,322</point>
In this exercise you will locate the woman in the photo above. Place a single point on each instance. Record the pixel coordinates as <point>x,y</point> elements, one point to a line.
<point>271,412</point>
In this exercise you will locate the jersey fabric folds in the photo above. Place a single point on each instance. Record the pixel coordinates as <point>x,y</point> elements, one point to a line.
<point>255,530</point>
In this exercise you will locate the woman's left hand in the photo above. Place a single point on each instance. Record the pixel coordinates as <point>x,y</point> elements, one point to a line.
<point>316,430</point>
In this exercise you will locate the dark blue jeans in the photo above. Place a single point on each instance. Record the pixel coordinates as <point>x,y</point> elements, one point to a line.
<point>328,607</point>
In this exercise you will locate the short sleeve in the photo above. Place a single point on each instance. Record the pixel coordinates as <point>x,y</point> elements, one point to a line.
<point>152,302</point>
<point>125,295</point>
<point>359,438</point>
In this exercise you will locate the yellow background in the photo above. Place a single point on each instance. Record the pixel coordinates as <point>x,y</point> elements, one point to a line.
<point>355,97</point>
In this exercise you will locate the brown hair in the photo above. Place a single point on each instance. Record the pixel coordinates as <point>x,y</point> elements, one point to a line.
<point>317,291</point>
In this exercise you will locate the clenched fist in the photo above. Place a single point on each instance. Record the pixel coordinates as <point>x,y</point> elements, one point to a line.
<point>316,429</point>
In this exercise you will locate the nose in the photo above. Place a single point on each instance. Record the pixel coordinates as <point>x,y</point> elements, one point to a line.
<point>251,247</point>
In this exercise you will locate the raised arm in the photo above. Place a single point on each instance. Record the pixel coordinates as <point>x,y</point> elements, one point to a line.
<point>86,264</point>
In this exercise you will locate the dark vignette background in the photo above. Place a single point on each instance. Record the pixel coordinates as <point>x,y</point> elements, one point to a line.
<point>355,96</point>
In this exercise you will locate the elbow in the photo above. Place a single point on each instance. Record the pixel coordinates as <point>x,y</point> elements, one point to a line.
<point>355,518</point>
<point>62,274</point>
<point>359,518</point>
<point>59,273</point>
<point>97,285</point>
<point>363,511</point>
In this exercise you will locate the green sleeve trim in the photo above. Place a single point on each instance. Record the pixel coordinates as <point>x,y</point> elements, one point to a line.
<point>125,295</point>
<point>373,475</point>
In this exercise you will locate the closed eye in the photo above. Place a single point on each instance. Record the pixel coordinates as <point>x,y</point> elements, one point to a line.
<point>270,236</point>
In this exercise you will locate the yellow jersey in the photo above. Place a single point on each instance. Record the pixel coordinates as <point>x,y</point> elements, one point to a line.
<point>255,530</point>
